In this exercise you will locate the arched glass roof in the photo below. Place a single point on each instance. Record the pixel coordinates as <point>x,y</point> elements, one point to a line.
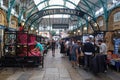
<point>57,2</point>
<point>93,8</point>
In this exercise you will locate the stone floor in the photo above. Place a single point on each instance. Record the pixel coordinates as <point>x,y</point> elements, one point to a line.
<point>55,68</point>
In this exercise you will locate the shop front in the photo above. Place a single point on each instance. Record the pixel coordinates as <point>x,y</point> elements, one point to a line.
<point>3,23</point>
<point>1,38</point>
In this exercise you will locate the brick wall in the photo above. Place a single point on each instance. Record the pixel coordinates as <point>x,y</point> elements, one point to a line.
<point>101,18</point>
<point>111,24</point>
<point>14,22</point>
<point>3,20</point>
<point>90,29</point>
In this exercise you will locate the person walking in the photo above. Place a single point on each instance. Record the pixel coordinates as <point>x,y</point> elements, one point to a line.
<point>53,43</point>
<point>74,54</point>
<point>80,56</point>
<point>70,48</point>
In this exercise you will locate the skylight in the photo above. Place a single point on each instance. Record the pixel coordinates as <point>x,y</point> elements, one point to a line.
<point>56,2</point>
<point>37,1</point>
<point>57,16</point>
<point>99,11</point>
<point>54,7</point>
<point>70,5</point>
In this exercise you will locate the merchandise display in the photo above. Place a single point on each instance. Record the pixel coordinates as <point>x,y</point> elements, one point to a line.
<point>113,59</point>
<point>9,43</point>
<point>18,46</point>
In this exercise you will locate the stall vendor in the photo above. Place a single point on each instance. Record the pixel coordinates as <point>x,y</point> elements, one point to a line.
<point>21,27</point>
<point>111,55</point>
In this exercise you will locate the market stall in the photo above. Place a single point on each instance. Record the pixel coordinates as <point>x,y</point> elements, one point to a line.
<point>17,50</point>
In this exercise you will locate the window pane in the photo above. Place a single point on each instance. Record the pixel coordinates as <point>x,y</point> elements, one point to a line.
<point>57,16</point>
<point>38,1</point>
<point>75,1</point>
<point>100,23</point>
<point>41,6</point>
<point>117,17</point>
<point>5,3</point>
<point>56,2</point>
<point>70,5</point>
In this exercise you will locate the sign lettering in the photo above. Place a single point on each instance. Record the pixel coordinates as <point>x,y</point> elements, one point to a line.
<point>42,13</point>
<point>61,11</point>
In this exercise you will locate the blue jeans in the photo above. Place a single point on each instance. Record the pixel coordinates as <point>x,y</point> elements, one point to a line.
<point>73,57</point>
<point>69,57</point>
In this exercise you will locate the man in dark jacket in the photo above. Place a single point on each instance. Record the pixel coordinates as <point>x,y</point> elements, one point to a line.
<point>88,50</point>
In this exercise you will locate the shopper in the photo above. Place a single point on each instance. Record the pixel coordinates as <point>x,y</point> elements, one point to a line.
<point>103,51</point>
<point>62,48</point>
<point>80,56</point>
<point>102,47</point>
<point>67,47</point>
<point>70,48</point>
<point>74,54</point>
<point>88,50</point>
<point>53,43</point>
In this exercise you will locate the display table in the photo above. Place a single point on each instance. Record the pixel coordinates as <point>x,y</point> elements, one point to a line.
<point>116,63</point>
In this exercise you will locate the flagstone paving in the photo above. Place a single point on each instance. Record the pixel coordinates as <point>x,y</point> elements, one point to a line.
<point>55,68</point>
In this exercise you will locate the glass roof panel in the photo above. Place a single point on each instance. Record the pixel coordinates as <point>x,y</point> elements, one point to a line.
<point>54,7</point>
<point>70,5</point>
<point>38,1</point>
<point>41,6</point>
<point>57,16</point>
<point>56,2</point>
<point>75,1</point>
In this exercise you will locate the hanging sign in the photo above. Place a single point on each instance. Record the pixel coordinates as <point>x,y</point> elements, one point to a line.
<point>42,13</point>
<point>60,26</point>
<point>62,11</point>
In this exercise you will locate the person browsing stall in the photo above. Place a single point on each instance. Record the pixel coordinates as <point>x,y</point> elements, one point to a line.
<point>38,47</point>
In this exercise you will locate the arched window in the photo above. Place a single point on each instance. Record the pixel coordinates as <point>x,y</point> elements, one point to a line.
<point>13,23</point>
<point>100,23</point>
<point>117,17</point>
<point>5,3</point>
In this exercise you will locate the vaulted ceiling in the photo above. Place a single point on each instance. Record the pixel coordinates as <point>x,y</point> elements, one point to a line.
<point>93,8</point>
